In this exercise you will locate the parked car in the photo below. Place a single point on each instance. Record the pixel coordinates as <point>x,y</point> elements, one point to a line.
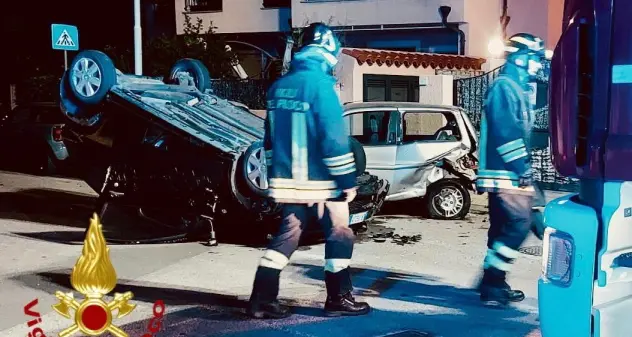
<point>181,155</point>
<point>32,139</point>
<point>426,152</point>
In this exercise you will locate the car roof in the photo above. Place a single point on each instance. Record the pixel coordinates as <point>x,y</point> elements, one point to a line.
<point>397,105</point>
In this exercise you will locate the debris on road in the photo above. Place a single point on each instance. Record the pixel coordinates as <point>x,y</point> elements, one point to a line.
<point>396,238</point>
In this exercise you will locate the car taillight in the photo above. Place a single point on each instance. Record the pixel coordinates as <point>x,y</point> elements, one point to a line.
<point>557,262</point>
<point>58,133</point>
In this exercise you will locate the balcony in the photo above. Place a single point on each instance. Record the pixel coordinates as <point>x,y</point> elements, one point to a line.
<point>236,16</point>
<point>277,3</point>
<point>194,6</point>
<point>374,12</point>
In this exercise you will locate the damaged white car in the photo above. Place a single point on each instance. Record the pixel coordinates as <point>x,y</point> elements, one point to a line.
<point>426,152</point>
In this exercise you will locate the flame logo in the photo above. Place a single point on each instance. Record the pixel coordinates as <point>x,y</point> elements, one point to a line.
<point>93,276</point>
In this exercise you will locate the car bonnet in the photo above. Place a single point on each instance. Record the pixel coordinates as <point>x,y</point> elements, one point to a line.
<point>215,121</point>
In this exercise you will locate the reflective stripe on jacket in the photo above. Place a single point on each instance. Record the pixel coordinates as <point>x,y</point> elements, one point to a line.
<point>506,125</point>
<point>307,146</point>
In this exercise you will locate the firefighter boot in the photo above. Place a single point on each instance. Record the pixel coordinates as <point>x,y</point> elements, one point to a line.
<point>340,301</point>
<point>263,301</point>
<point>495,291</point>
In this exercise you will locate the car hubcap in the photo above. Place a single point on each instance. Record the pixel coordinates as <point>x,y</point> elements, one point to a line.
<point>256,169</point>
<point>448,202</point>
<point>86,77</point>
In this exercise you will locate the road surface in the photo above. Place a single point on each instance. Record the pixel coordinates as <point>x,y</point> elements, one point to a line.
<point>425,286</point>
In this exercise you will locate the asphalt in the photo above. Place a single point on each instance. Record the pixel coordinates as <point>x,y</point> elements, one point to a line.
<point>424,286</point>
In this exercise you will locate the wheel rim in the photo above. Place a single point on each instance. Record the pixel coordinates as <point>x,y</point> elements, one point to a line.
<point>448,202</point>
<point>86,77</point>
<point>256,169</point>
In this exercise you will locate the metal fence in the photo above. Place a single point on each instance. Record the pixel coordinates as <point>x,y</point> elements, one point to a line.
<point>252,92</point>
<point>469,94</point>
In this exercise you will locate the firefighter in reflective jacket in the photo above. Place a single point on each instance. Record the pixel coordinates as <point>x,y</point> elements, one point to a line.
<point>505,165</point>
<point>311,173</point>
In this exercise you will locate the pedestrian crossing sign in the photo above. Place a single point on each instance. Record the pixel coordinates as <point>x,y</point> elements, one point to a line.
<point>64,37</point>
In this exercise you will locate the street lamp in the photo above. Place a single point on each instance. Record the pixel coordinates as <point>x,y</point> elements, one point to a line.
<point>138,43</point>
<point>496,47</point>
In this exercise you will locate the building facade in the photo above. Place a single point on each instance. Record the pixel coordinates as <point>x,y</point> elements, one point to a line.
<point>405,25</point>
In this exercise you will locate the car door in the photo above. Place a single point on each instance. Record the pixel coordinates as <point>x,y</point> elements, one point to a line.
<point>377,131</point>
<point>428,135</point>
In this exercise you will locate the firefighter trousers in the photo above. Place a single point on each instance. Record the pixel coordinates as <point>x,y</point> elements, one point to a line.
<point>333,217</point>
<point>510,217</point>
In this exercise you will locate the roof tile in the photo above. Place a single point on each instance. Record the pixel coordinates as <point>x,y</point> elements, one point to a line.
<point>415,59</point>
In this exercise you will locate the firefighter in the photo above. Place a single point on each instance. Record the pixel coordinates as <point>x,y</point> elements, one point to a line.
<point>505,165</point>
<point>311,173</point>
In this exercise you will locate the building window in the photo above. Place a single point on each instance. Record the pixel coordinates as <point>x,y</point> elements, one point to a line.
<point>203,5</point>
<point>277,3</point>
<point>391,88</point>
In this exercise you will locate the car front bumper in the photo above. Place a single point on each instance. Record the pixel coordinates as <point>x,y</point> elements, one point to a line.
<point>368,202</point>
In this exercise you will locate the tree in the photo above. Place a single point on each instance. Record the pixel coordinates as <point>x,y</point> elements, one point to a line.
<point>161,53</point>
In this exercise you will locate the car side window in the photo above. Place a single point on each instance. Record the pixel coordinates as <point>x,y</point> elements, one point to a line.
<point>373,127</point>
<point>430,126</point>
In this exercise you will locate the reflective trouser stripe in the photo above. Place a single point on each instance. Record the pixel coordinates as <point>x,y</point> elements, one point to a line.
<point>336,265</point>
<point>500,257</point>
<point>273,259</point>
<point>494,261</point>
<point>505,251</point>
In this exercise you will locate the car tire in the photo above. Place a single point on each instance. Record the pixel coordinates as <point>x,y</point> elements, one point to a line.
<point>454,191</point>
<point>359,155</point>
<point>196,69</point>
<point>90,77</point>
<point>254,169</point>
<point>83,119</point>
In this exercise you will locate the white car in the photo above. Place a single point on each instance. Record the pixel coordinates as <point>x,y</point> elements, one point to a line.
<point>426,152</point>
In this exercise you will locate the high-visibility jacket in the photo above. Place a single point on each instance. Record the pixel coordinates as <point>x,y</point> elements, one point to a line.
<point>506,126</point>
<point>306,142</point>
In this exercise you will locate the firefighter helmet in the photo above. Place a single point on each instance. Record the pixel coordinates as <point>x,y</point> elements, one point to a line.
<point>321,36</point>
<point>526,51</point>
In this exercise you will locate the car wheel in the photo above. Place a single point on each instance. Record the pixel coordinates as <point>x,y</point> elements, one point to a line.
<point>194,68</point>
<point>254,169</point>
<point>91,75</point>
<point>359,155</point>
<point>448,200</point>
<point>82,119</point>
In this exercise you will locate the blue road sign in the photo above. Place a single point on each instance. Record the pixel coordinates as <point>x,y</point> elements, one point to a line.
<point>64,37</point>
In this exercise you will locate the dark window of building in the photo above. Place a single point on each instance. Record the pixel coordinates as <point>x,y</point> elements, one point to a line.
<point>204,5</point>
<point>391,88</point>
<point>277,3</point>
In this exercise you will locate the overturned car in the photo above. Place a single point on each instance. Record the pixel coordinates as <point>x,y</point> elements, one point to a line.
<point>178,154</point>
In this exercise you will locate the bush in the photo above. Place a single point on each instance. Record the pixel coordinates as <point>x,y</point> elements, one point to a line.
<point>161,53</point>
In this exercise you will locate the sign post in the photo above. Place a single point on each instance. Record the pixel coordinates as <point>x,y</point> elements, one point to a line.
<point>64,37</point>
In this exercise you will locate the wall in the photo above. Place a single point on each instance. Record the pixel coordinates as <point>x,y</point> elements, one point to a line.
<point>539,17</point>
<point>556,13</point>
<point>239,16</point>
<point>344,73</point>
<point>371,12</point>
<point>483,24</point>
<point>349,73</point>
<point>438,89</point>
<point>360,70</point>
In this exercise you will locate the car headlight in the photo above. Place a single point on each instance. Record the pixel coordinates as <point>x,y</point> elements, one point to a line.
<point>557,262</point>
